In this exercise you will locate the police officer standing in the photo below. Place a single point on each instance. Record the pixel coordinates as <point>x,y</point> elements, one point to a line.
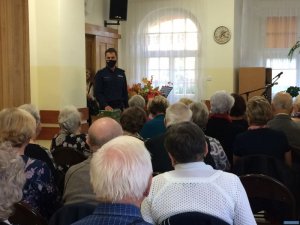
<point>110,84</point>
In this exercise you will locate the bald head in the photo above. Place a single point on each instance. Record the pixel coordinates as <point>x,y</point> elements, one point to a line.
<point>282,103</point>
<point>102,131</point>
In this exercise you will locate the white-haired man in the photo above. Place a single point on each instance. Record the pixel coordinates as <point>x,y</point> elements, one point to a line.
<point>175,113</point>
<point>121,175</point>
<point>282,105</point>
<point>77,180</point>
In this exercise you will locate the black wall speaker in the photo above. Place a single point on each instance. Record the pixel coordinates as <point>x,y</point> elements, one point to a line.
<point>118,10</point>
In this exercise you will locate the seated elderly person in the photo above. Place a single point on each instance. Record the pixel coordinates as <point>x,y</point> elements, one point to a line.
<point>296,109</point>
<point>259,139</point>
<point>132,120</point>
<point>33,149</point>
<point>101,131</point>
<point>70,135</point>
<point>194,186</point>
<point>161,162</point>
<point>215,149</point>
<point>219,124</point>
<point>12,179</point>
<point>282,104</point>
<point>137,100</point>
<point>238,112</point>
<point>157,109</point>
<point>121,176</point>
<point>17,127</point>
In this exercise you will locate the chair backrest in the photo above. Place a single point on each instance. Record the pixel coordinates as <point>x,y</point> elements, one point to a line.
<point>25,215</point>
<point>267,165</point>
<point>71,213</point>
<point>193,218</point>
<point>271,196</point>
<point>65,157</point>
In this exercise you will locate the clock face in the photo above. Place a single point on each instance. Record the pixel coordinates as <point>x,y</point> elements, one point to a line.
<point>222,35</point>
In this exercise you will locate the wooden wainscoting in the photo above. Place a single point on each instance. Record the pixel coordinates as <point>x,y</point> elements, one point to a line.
<point>50,127</point>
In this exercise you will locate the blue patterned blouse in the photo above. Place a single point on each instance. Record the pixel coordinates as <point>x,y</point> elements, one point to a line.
<point>39,190</point>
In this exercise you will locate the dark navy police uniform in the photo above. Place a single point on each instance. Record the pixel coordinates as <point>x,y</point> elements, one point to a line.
<point>111,88</point>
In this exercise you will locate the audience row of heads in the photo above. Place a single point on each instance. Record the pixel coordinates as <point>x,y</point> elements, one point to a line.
<point>126,157</point>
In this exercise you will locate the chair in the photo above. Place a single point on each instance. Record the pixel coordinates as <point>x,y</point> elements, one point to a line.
<point>271,201</point>
<point>193,218</point>
<point>71,213</point>
<point>267,165</point>
<point>65,157</point>
<point>25,215</point>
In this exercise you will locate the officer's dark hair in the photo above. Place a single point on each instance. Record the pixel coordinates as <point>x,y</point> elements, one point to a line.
<point>185,142</point>
<point>111,50</point>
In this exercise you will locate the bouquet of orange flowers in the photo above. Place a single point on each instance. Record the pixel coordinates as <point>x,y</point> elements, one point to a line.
<point>144,89</point>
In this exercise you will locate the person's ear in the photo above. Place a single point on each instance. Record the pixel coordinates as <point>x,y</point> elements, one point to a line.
<point>173,161</point>
<point>147,191</point>
<point>205,150</point>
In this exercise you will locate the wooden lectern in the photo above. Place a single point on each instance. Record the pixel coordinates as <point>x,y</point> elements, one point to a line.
<point>253,81</point>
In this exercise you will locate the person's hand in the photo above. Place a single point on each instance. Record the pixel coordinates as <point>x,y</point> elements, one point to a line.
<point>108,108</point>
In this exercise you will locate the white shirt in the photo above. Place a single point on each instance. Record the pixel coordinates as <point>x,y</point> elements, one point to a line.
<point>197,187</point>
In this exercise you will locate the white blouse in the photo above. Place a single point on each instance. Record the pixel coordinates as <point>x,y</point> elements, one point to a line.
<point>197,187</point>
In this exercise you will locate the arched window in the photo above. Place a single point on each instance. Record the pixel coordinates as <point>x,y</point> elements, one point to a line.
<point>171,45</point>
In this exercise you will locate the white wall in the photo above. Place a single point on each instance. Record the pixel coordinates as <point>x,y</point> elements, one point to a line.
<point>217,60</point>
<point>57,53</point>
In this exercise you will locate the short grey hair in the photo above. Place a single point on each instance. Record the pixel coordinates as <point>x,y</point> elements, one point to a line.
<point>221,102</point>
<point>200,114</point>
<point>178,112</point>
<point>137,100</point>
<point>282,100</point>
<point>69,119</point>
<point>33,110</point>
<point>12,179</point>
<point>121,169</point>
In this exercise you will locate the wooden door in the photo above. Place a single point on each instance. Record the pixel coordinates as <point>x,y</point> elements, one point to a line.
<point>14,53</point>
<point>97,40</point>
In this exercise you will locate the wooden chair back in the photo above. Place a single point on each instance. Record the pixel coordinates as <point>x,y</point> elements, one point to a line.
<point>271,201</point>
<point>25,215</point>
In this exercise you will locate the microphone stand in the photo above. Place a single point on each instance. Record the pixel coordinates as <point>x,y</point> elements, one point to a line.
<point>249,92</point>
<point>269,86</point>
<point>265,88</point>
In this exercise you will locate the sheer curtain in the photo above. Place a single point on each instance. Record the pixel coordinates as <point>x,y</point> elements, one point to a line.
<point>162,39</point>
<point>269,29</point>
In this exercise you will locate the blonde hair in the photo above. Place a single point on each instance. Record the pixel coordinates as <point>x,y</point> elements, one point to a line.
<point>17,126</point>
<point>186,101</point>
<point>177,113</point>
<point>259,111</point>
<point>120,169</point>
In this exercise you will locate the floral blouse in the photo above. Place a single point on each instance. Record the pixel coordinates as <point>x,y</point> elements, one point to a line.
<point>78,142</point>
<point>39,190</point>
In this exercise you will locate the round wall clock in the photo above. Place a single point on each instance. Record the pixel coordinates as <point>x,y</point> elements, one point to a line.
<point>222,35</point>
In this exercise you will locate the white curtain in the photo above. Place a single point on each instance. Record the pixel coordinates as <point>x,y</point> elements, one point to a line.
<point>269,29</point>
<point>162,38</point>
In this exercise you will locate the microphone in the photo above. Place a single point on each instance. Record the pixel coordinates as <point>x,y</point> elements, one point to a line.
<point>278,75</point>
